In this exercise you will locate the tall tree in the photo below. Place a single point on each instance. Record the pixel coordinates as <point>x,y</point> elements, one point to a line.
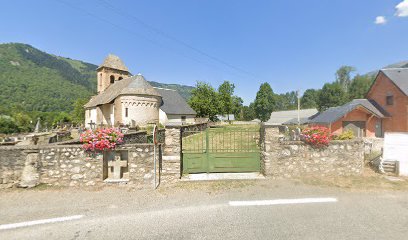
<point>78,112</point>
<point>225,92</point>
<point>331,95</point>
<point>204,100</point>
<point>237,105</point>
<point>310,99</point>
<point>360,86</point>
<point>343,76</point>
<point>248,112</point>
<point>264,102</point>
<point>286,101</point>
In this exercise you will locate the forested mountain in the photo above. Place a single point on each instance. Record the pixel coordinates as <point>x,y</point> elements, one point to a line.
<point>32,80</point>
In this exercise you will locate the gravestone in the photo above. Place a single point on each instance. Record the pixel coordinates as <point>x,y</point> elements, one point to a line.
<point>37,126</point>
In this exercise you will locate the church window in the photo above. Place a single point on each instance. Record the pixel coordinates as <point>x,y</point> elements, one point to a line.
<point>120,78</point>
<point>126,112</point>
<point>112,79</point>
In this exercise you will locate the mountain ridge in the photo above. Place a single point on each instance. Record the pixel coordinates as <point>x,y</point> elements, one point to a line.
<point>34,80</point>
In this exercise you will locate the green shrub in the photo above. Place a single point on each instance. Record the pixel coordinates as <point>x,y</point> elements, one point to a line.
<point>346,135</point>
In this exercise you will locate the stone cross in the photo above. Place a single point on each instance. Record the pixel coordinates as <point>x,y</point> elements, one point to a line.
<point>92,124</point>
<point>117,165</point>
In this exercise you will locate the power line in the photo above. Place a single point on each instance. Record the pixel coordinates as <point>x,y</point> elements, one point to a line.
<point>135,33</point>
<point>181,42</point>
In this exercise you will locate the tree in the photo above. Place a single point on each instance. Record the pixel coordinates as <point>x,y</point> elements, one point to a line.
<point>248,112</point>
<point>310,99</point>
<point>62,117</point>
<point>343,76</point>
<point>360,86</point>
<point>8,125</point>
<point>331,95</point>
<point>23,121</point>
<point>78,113</point>
<point>286,101</point>
<point>225,92</point>
<point>237,104</point>
<point>204,100</point>
<point>264,102</point>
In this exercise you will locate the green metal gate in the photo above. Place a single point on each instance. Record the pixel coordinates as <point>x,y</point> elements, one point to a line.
<point>220,150</point>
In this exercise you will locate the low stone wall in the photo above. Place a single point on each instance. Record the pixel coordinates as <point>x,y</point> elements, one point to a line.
<point>295,158</point>
<point>70,166</point>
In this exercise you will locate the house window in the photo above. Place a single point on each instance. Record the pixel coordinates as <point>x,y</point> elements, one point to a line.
<point>390,100</point>
<point>126,112</point>
<point>183,118</point>
<point>112,79</point>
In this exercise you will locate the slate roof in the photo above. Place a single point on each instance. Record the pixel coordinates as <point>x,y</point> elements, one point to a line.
<point>334,113</point>
<point>114,62</point>
<point>399,76</point>
<point>174,103</point>
<point>132,85</point>
<point>282,117</point>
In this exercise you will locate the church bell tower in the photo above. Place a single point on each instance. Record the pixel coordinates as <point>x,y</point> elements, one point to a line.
<point>110,71</point>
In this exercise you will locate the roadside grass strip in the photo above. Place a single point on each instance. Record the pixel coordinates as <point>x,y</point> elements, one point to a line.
<point>281,201</point>
<point>38,222</point>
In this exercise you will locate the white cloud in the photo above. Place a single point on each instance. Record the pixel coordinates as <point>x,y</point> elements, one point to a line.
<point>380,20</point>
<point>402,9</point>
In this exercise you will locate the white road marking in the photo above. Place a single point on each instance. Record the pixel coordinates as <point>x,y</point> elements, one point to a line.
<point>281,201</point>
<point>37,222</point>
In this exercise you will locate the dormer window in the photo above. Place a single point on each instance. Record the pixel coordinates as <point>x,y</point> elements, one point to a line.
<point>390,100</point>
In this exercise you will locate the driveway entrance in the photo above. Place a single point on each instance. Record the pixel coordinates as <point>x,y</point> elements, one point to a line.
<point>221,150</point>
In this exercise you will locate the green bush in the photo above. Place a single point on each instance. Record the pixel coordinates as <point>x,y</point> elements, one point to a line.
<point>8,125</point>
<point>346,135</point>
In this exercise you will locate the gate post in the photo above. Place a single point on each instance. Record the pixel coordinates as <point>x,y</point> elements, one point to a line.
<point>171,164</point>
<point>207,153</point>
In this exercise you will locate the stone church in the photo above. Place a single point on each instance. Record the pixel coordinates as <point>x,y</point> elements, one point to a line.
<point>129,100</point>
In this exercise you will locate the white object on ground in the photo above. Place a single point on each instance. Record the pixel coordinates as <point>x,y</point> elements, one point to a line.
<point>37,222</point>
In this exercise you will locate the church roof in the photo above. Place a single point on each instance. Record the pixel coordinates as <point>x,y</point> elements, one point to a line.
<point>174,103</point>
<point>114,62</point>
<point>135,85</point>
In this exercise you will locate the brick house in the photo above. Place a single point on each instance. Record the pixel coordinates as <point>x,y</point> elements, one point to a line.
<point>384,110</point>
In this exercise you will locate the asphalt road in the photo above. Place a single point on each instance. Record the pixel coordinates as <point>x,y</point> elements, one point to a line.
<point>205,213</point>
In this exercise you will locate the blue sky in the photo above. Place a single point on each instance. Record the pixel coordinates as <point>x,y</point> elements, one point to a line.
<point>289,44</point>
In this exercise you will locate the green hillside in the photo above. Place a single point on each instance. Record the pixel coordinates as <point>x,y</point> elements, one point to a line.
<point>36,81</point>
<point>32,80</point>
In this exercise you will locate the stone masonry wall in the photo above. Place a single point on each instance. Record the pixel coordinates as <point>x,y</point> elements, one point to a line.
<point>171,164</point>
<point>295,158</point>
<point>70,166</point>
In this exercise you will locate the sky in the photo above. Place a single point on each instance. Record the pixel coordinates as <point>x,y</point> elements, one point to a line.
<point>289,44</point>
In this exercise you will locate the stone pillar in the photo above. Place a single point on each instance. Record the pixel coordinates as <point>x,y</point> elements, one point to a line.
<point>269,142</point>
<point>171,160</point>
<point>31,176</point>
